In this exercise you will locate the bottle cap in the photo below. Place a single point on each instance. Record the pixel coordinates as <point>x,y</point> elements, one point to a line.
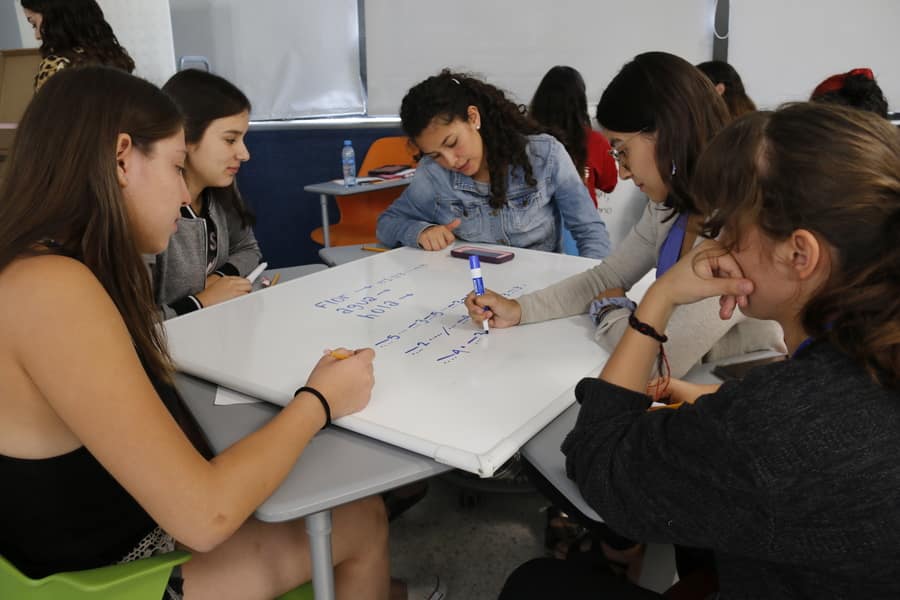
<point>348,143</point>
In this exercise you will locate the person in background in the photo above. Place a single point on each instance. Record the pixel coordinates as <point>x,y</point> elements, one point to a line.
<point>73,33</point>
<point>857,88</point>
<point>96,455</point>
<point>208,258</point>
<point>789,476</point>
<point>488,174</point>
<point>560,105</point>
<point>729,85</point>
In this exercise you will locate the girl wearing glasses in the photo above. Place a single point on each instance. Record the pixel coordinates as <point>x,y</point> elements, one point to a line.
<point>658,114</point>
<point>487,174</point>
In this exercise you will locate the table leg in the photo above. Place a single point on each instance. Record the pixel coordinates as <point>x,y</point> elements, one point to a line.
<point>323,201</point>
<point>318,528</point>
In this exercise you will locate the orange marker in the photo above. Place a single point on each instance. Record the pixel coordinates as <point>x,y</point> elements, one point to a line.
<point>341,354</point>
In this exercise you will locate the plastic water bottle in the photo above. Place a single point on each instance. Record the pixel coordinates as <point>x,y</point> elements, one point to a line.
<point>348,163</point>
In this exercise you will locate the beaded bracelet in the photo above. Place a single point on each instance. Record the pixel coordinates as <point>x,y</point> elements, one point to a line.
<point>321,398</point>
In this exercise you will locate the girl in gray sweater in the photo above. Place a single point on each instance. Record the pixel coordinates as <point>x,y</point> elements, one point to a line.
<point>214,248</point>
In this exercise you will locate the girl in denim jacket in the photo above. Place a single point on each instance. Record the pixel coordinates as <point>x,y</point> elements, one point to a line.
<point>487,174</point>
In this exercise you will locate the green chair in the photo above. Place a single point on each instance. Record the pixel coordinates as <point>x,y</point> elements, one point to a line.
<point>143,579</point>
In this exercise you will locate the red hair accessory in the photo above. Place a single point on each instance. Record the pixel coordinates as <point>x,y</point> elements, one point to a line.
<point>836,82</point>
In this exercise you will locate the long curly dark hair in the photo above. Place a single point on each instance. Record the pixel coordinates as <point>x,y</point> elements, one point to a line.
<point>560,103</point>
<point>504,124</point>
<point>77,30</point>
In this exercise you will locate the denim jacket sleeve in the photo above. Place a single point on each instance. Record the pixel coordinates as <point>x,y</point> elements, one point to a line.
<point>575,205</point>
<point>413,212</point>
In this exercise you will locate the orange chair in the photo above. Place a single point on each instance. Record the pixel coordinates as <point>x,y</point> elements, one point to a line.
<point>359,213</point>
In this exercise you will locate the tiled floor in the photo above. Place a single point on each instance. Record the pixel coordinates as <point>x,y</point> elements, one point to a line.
<point>473,549</point>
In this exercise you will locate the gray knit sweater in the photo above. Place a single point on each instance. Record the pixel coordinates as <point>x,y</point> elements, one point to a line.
<point>695,331</point>
<point>791,476</point>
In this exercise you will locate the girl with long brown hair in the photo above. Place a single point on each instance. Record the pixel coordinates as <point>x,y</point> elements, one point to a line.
<point>790,476</point>
<point>96,469</point>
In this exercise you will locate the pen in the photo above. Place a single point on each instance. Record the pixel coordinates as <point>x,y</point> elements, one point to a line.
<point>374,249</point>
<point>475,270</point>
<point>275,279</point>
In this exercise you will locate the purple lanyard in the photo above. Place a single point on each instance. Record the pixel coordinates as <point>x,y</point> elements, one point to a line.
<point>804,344</point>
<point>671,247</point>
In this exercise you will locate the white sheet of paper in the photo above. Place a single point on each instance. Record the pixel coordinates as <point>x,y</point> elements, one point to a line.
<point>228,397</point>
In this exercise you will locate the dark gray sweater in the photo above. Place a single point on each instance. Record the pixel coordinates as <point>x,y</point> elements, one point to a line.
<point>792,476</point>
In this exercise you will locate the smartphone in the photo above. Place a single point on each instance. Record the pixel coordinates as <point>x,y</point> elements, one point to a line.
<point>485,255</point>
<point>388,169</point>
<point>739,369</point>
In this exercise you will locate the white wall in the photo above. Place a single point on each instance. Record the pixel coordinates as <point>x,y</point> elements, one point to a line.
<point>144,28</point>
<point>784,48</point>
<point>512,43</point>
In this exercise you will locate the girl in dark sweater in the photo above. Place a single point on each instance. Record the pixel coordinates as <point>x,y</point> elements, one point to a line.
<point>790,476</point>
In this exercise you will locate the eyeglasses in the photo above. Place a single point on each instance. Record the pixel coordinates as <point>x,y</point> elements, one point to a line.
<point>619,154</point>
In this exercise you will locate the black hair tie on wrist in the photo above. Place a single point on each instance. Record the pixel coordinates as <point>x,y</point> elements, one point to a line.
<point>321,398</point>
<point>646,329</point>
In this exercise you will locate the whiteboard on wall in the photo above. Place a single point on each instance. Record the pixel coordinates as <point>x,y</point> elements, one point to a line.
<point>784,49</point>
<point>292,58</point>
<point>512,43</point>
<point>443,388</point>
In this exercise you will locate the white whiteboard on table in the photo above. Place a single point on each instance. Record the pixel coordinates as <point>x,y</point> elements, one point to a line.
<point>443,388</point>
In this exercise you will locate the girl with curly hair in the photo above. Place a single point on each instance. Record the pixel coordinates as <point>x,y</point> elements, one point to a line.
<point>72,33</point>
<point>487,174</point>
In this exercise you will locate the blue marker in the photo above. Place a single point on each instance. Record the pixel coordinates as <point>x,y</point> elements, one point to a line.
<point>475,269</point>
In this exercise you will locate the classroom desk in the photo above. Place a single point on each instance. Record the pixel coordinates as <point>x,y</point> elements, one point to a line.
<point>330,188</point>
<point>337,467</point>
